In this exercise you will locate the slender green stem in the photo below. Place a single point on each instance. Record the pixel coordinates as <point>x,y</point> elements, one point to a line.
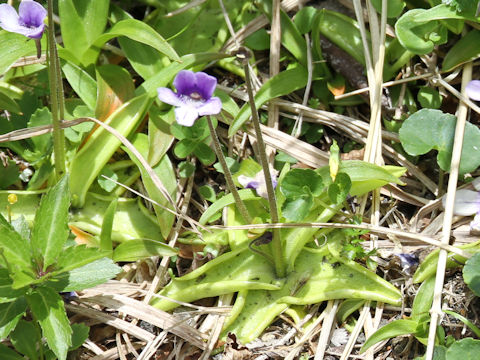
<point>56,97</point>
<point>277,247</point>
<point>228,175</point>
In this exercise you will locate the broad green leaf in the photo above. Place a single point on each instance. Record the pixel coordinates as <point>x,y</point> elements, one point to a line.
<point>159,138</point>
<point>330,278</point>
<point>50,231</point>
<point>393,329</point>
<point>471,273</point>
<point>423,300</point>
<point>428,266</point>
<point>296,181</point>
<point>245,194</point>
<point>162,78</point>
<point>115,88</point>
<point>101,145</point>
<point>467,348</point>
<point>429,129</point>
<point>72,25</point>
<point>343,31</point>
<point>304,19</point>
<point>17,45</point>
<point>394,7</point>
<point>166,174</point>
<point>429,97</point>
<point>87,276</point>
<point>77,256</point>
<point>348,307</point>
<point>132,220</point>
<point>297,209</point>
<point>15,249</point>
<point>25,338</point>
<point>145,60</point>
<point>230,272</point>
<point>365,176</point>
<point>205,154</point>
<point>292,40</point>
<point>82,83</point>
<point>284,83</point>
<point>47,307</point>
<point>7,103</point>
<point>10,315</point>
<point>340,188</point>
<point>106,233</point>
<point>9,354</point>
<point>79,335</point>
<point>134,250</point>
<point>42,143</point>
<point>135,30</point>
<point>419,30</point>
<point>467,48</point>
<point>8,174</point>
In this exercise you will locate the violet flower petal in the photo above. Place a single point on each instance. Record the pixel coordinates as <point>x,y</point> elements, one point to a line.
<point>186,115</point>
<point>210,107</point>
<point>467,202</point>
<point>184,82</point>
<point>169,97</point>
<point>31,13</point>
<point>473,90</point>
<point>205,85</point>
<point>8,18</point>
<point>29,22</point>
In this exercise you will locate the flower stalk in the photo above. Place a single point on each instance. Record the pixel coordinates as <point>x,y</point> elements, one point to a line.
<point>56,96</point>
<point>277,248</point>
<point>228,175</point>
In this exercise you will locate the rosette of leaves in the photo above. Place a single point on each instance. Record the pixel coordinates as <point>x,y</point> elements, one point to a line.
<point>315,273</point>
<point>34,267</point>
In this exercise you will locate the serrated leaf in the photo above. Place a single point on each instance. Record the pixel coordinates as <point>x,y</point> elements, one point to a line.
<point>77,256</point>
<point>15,249</point>
<point>25,338</point>
<point>50,230</point>
<point>134,250</point>
<point>10,314</point>
<point>7,293</point>
<point>429,129</point>
<point>47,307</point>
<point>87,276</point>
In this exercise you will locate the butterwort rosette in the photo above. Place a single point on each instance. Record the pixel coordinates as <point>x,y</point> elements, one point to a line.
<point>193,97</point>
<point>29,21</point>
<point>258,182</point>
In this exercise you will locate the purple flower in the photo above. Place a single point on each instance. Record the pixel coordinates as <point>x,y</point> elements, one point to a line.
<point>28,21</point>
<point>193,97</point>
<point>473,90</point>
<point>258,182</point>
